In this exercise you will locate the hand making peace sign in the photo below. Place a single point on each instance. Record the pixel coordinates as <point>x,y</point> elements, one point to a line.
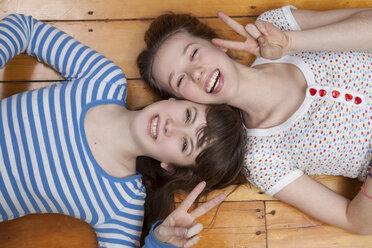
<point>262,38</point>
<point>179,228</point>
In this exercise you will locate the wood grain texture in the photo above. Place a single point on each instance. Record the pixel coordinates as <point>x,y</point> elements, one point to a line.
<point>236,224</point>
<point>47,230</point>
<point>120,41</point>
<point>138,9</point>
<point>291,228</point>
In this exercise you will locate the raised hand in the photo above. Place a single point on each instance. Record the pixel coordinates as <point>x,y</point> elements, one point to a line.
<point>179,228</point>
<point>262,38</point>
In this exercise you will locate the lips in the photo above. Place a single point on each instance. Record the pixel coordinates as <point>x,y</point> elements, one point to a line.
<point>153,127</point>
<point>214,82</point>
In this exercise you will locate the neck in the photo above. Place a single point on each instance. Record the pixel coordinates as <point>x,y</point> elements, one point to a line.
<point>263,93</point>
<point>110,139</point>
<point>254,88</point>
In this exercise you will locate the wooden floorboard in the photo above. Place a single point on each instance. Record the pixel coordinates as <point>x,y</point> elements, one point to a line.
<point>139,9</point>
<point>291,228</point>
<point>47,231</point>
<point>236,224</point>
<point>120,41</point>
<point>248,218</point>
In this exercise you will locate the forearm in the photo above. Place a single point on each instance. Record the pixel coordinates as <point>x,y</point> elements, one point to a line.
<point>20,33</point>
<point>15,35</point>
<point>329,207</point>
<point>359,212</point>
<point>352,33</point>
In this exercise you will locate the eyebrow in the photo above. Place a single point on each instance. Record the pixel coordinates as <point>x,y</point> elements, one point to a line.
<point>183,54</point>
<point>192,122</point>
<point>192,148</point>
<point>195,114</point>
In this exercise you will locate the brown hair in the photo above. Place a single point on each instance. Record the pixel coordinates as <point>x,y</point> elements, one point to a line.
<point>219,165</point>
<point>160,30</point>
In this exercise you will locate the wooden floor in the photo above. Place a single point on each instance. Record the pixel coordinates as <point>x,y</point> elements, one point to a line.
<point>115,28</point>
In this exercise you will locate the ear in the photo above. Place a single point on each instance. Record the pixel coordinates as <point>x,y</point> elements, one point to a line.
<point>167,167</point>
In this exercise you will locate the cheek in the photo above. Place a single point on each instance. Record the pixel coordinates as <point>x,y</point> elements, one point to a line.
<point>194,93</point>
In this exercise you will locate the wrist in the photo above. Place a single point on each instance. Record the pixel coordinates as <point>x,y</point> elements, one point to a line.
<point>155,229</point>
<point>288,48</point>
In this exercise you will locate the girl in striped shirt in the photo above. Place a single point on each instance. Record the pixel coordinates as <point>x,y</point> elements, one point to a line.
<point>71,148</point>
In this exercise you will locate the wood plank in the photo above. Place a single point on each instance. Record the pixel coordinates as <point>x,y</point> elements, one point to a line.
<point>292,228</point>
<point>139,95</point>
<point>119,9</point>
<point>285,216</point>
<point>47,230</point>
<point>8,89</point>
<point>120,41</point>
<point>345,186</point>
<point>236,224</point>
<point>320,237</point>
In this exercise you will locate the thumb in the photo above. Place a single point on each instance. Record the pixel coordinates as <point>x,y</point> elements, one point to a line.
<point>267,50</point>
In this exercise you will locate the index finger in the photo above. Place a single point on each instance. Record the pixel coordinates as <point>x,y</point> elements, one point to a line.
<point>205,207</point>
<point>232,24</point>
<point>249,45</point>
<point>189,200</point>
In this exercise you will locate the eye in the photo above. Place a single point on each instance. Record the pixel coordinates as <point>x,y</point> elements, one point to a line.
<point>194,54</point>
<point>188,115</point>
<point>179,81</point>
<point>184,145</point>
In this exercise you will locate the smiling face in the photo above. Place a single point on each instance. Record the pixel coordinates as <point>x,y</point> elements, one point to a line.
<point>193,68</point>
<point>167,131</point>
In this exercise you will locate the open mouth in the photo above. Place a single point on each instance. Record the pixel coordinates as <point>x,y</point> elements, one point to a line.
<point>214,82</point>
<point>153,127</point>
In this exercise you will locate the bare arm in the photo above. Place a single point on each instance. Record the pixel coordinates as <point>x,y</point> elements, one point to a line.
<point>335,30</point>
<point>322,203</point>
<point>309,19</point>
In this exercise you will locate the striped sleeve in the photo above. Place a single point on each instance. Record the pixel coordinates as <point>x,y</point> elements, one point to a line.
<point>123,229</point>
<point>151,240</point>
<point>23,34</point>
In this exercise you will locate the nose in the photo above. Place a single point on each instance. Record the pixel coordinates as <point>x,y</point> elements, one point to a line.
<point>197,74</point>
<point>173,127</point>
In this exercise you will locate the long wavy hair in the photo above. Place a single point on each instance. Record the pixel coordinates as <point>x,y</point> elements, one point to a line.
<point>159,31</point>
<point>219,165</point>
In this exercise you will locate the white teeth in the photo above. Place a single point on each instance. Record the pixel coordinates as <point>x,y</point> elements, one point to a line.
<point>154,127</point>
<point>214,81</point>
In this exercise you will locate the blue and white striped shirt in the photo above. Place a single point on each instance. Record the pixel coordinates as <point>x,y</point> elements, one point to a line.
<point>46,165</point>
